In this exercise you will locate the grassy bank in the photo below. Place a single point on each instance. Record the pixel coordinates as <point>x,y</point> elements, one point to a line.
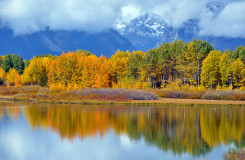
<point>84,96</point>
<point>196,93</point>
<point>37,94</point>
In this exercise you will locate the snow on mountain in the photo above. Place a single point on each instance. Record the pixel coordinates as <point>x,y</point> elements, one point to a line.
<point>120,26</point>
<point>150,31</point>
<point>145,31</point>
<point>149,25</point>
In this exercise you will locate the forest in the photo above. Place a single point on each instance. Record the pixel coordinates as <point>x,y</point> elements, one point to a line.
<point>176,65</point>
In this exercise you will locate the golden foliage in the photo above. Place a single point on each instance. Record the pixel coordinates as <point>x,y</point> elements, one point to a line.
<point>2,73</point>
<point>17,81</point>
<point>173,66</point>
<point>37,70</point>
<point>11,76</point>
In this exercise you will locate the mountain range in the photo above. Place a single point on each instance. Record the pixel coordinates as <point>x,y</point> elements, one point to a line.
<point>150,31</point>
<point>56,42</point>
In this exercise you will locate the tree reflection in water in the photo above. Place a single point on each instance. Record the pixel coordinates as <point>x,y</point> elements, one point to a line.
<point>179,129</point>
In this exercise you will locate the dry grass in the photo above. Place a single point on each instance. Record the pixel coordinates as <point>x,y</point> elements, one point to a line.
<point>192,101</point>
<point>225,95</point>
<point>39,94</point>
<point>183,94</point>
<point>43,94</point>
<point>107,93</point>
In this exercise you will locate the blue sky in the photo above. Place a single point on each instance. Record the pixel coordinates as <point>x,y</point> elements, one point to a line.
<point>26,16</point>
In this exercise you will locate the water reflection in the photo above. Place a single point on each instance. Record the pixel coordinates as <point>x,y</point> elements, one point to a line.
<point>180,130</point>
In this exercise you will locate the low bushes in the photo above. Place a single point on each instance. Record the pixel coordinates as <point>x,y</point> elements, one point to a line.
<point>116,93</point>
<point>202,94</point>
<point>23,91</point>
<point>225,95</point>
<point>166,93</point>
<point>41,93</point>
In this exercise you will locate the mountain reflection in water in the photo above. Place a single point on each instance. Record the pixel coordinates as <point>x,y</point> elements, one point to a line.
<point>192,130</point>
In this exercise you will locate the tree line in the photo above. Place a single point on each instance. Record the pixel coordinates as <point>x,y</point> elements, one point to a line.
<point>195,63</point>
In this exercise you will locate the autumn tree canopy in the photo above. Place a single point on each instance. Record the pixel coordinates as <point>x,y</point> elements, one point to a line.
<point>180,63</point>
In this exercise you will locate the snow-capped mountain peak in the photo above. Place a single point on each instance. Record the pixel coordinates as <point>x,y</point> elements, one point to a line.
<point>149,31</point>
<point>147,25</point>
<point>146,31</point>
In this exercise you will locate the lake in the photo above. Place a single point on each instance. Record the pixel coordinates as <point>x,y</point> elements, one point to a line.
<point>57,132</point>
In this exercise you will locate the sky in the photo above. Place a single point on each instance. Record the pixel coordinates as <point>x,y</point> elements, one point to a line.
<point>27,16</point>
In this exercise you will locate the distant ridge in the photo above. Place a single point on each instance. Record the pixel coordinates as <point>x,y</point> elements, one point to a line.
<point>56,42</point>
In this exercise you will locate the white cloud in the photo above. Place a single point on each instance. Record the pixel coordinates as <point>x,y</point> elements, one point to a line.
<point>130,12</point>
<point>32,15</point>
<point>26,16</point>
<point>229,23</point>
<point>176,12</point>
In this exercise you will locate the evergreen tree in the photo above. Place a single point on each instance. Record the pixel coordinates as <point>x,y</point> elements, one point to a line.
<point>240,53</point>
<point>13,61</point>
<point>26,63</point>
<point>230,55</point>
<point>17,63</point>
<point>7,62</point>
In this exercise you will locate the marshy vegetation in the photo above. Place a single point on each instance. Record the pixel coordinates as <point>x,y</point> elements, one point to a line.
<point>201,93</point>
<point>43,94</point>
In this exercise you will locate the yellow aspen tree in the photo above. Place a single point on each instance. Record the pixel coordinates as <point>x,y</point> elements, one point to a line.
<point>210,75</point>
<point>243,77</point>
<point>36,72</point>
<point>61,71</point>
<point>2,75</point>
<point>11,76</point>
<point>237,67</point>
<point>119,63</point>
<point>73,71</point>
<point>92,63</point>
<point>225,69</point>
<point>77,75</point>
<point>17,80</point>
<point>85,77</point>
<point>25,77</point>
<point>53,75</point>
<point>102,75</point>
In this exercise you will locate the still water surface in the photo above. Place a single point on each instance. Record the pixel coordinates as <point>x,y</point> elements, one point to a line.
<point>57,132</point>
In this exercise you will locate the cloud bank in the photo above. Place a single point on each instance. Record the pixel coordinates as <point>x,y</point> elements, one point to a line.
<point>26,16</point>
<point>225,18</point>
<point>230,22</point>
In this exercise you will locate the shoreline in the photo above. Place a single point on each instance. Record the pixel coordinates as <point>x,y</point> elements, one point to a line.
<point>159,102</point>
